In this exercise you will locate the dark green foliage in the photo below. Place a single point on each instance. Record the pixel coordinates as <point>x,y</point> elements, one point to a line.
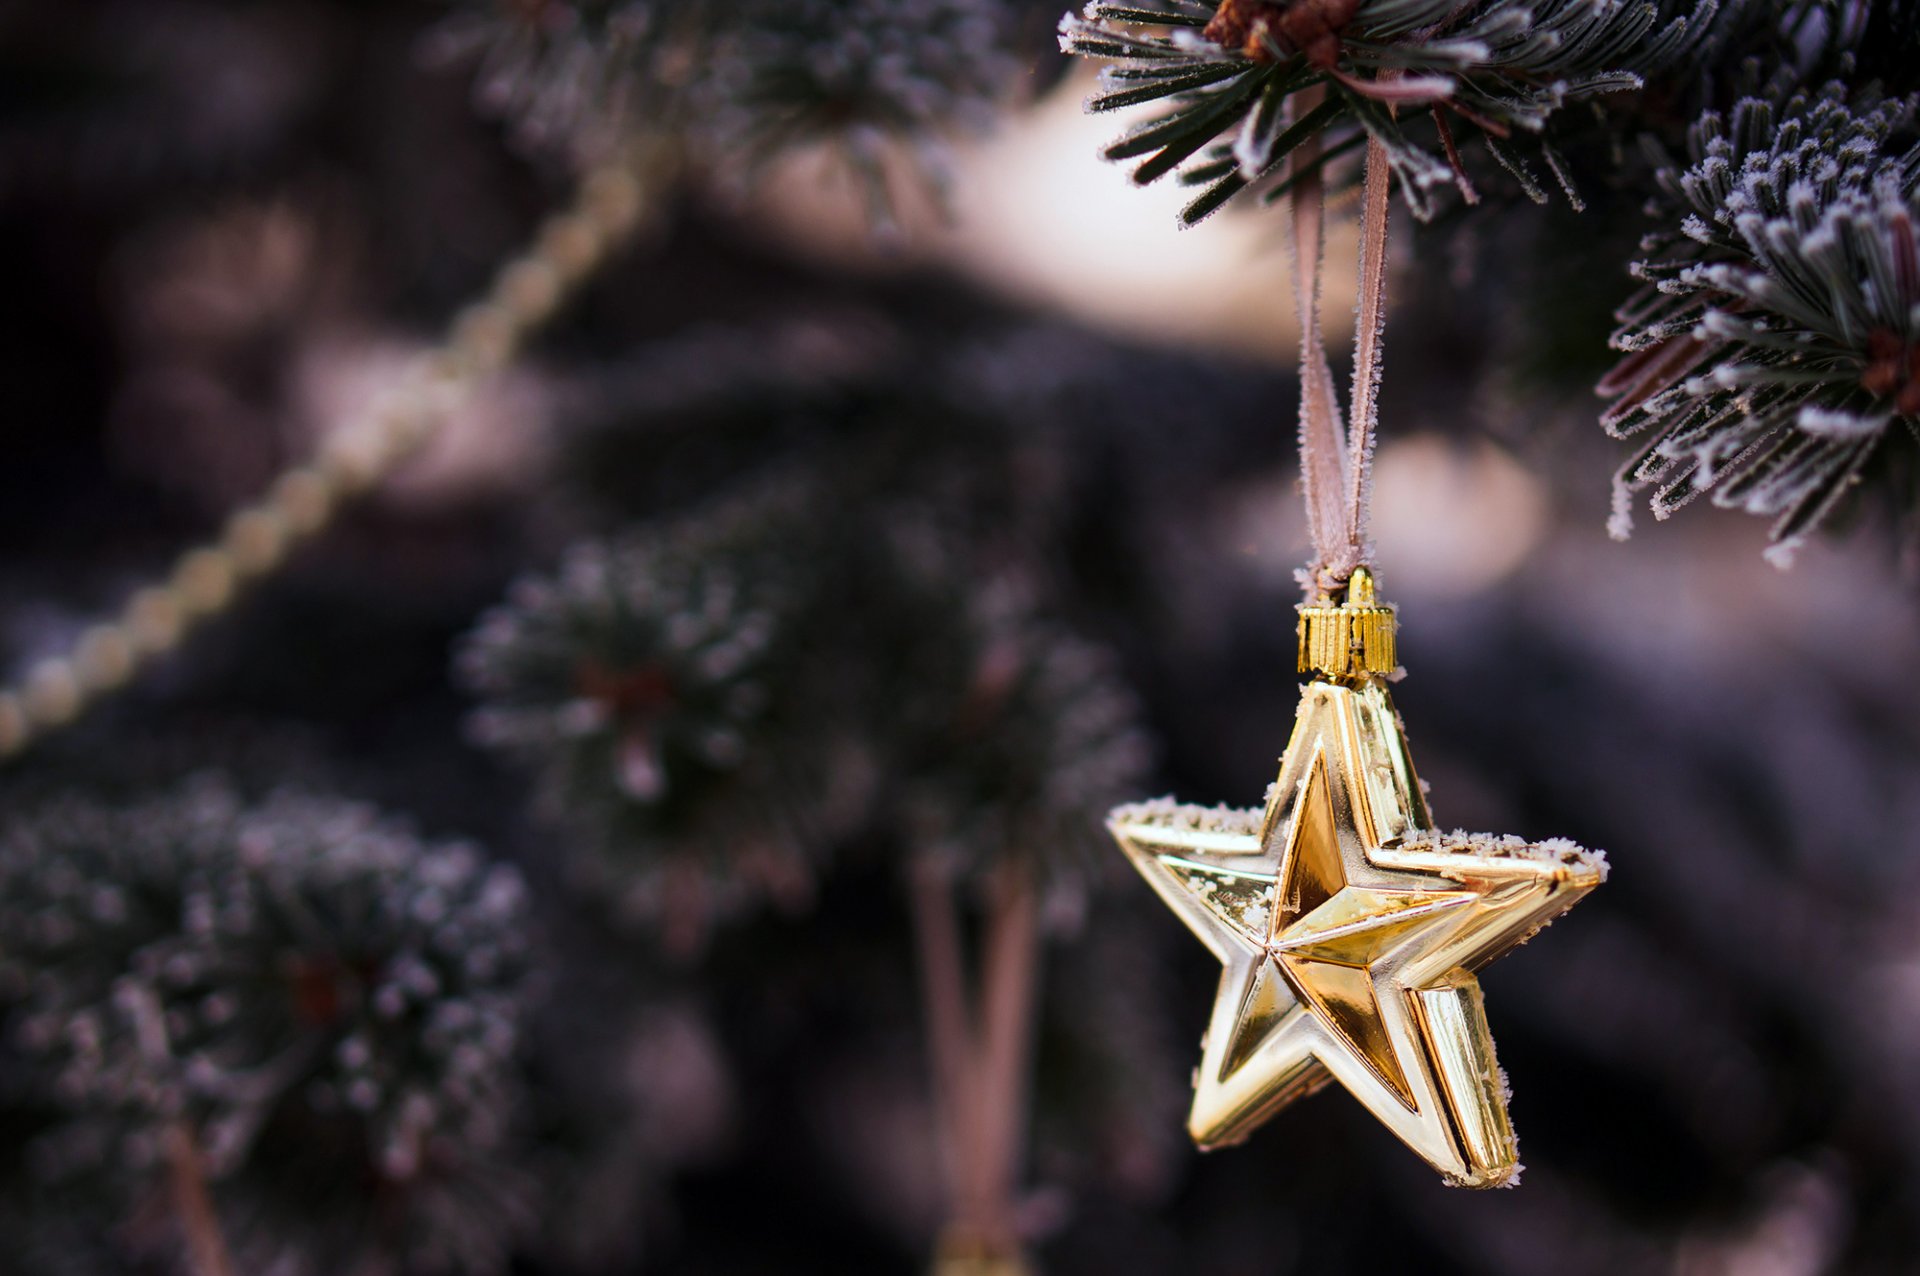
<point>1751,48</point>
<point>968,509</point>
<point>563,71</point>
<point>324,1001</point>
<point>1017,739</point>
<point>856,74</point>
<point>1403,72</point>
<point>1112,1092</point>
<point>1008,736</point>
<point>1774,341</point>
<point>868,656</point>
<point>50,1236</point>
<point>630,1087</point>
<point>734,85</point>
<point>654,685</point>
<point>1808,42</point>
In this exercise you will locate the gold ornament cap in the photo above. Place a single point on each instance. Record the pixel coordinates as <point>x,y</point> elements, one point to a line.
<point>1351,640</point>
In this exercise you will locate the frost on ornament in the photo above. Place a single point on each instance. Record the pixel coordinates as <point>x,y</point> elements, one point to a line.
<point>1555,850</point>
<point>1165,812</point>
<point>321,999</point>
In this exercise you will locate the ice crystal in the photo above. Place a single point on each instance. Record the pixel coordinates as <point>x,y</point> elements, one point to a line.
<point>1167,813</point>
<point>857,75</point>
<point>1555,850</point>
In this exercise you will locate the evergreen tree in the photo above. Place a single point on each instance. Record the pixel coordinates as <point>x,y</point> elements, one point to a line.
<point>772,636</point>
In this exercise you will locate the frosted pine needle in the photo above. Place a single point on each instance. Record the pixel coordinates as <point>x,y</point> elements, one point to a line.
<point>333,1007</point>
<point>642,683</point>
<point>1776,341</point>
<point>1407,73</point>
<point>736,85</point>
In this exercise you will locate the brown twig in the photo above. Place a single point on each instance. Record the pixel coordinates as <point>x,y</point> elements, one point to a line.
<point>566,250</point>
<point>1011,967</point>
<point>943,980</point>
<point>1445,130</point>
<point>193,1204</point>
<point>981,1057</point>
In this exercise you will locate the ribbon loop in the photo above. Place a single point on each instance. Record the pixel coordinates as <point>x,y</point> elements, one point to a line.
<point>1336,462</point>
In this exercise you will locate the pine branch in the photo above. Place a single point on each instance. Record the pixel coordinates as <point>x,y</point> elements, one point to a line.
<point>656,687</point>
<point>295,998</point>
<point>736,86</point>
<point>1776,336</point>
<point>1228,77</point>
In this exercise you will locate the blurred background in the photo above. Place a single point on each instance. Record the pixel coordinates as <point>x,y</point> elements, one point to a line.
<point>939,538</point>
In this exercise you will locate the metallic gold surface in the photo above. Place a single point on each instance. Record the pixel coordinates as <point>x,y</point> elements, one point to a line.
<point>1349,930</point>
<point>959,1254</point>
<point>1349,639</point>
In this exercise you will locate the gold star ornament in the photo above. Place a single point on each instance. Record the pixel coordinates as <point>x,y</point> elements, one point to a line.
<point>1348,927</point>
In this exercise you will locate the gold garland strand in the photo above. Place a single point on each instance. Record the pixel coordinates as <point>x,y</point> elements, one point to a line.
<point>568,247</point>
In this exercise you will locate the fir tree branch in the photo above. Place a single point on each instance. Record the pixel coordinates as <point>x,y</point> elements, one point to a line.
<point>736,85</point>
<point>295,996</point>
<point>1226,71</point>
<point>1773,340</point>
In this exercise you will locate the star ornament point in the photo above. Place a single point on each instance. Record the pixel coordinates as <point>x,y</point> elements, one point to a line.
<point>1349,932</point>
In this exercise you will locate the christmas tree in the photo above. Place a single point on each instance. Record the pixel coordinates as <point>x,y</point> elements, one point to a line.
<point>582,575</point>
